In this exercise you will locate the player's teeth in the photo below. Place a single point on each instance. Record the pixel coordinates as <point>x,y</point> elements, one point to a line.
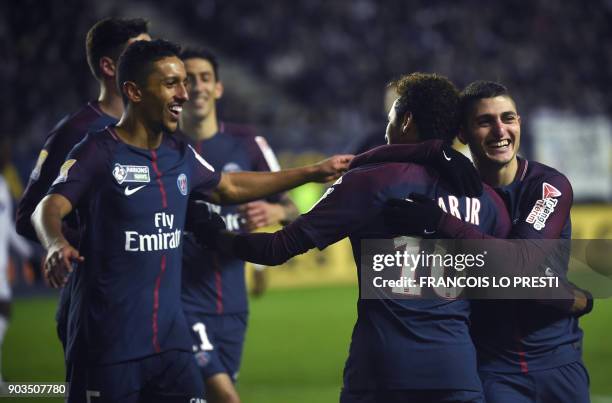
<point>176,108</point>
<point>501,143</point>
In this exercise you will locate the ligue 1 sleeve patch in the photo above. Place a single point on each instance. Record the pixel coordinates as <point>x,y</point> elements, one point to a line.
<point>202,160</point>
<point>39,163</point>
<point>268,154</point>
<point>65,168</point>
<point>543,207</point>
<point>131,173</point>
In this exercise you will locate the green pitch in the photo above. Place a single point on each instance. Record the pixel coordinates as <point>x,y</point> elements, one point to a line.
<point>296,346</point>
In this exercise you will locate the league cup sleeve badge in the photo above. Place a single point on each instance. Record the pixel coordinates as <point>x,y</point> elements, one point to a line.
<point>39,163</point>
<point>65,168</point>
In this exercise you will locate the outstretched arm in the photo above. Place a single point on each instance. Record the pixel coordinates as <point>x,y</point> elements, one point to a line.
<point>240,187</point>
<point>269,249</point>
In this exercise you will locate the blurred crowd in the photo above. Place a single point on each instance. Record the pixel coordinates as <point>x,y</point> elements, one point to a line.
<point>331,58</point>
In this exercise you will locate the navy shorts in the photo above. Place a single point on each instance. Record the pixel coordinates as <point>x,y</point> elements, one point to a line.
<point>218,342</point>
<point>412,396</point>
<point>170,376</point>
<point>565,384</point>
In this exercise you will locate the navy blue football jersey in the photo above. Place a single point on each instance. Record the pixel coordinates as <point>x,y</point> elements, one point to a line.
<point>64,136</point>
<point>214,283</point>
<point>421,343</point>
<point>131,202</point>
<point>519,336</point>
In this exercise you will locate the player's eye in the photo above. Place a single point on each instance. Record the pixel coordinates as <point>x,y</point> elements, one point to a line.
<point>509,118</point>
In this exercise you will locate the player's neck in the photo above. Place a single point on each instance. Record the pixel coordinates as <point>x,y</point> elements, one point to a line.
<point>134,132</point>
<point>497,176</point>
<point>110,101</point>
<point>201,129</point>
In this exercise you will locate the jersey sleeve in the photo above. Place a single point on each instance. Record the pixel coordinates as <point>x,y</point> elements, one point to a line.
<point>345,207</point>
<point>80,171</point>
<point>545,209</point>
<point>50,159</point>
<point>204,177</point>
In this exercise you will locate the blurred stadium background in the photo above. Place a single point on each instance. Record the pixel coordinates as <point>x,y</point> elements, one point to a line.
<point>310,75</point>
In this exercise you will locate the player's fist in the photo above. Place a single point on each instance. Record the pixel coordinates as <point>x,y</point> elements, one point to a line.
<point>58,263</point>
<point>260,214</point>
<point>203,223</point>
<point>332,168</point>
<point>458,171</point>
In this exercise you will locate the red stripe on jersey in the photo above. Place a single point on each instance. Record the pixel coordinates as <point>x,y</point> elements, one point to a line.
<point>96,108</point>
<point>519,349</point>
<point>218,284</point>
<point>156,303</point>
<point>159,180</point>
<point>523,362</point>
<point>112,133</point>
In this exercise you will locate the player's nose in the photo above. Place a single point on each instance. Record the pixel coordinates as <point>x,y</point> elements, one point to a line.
<point>498,127</point>
<point>182,94</point>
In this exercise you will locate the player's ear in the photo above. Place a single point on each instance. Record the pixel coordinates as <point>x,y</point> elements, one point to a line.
<point>131,91</point>
<point>406,121</point>
<point>107,66</point>
<point>219,89</point>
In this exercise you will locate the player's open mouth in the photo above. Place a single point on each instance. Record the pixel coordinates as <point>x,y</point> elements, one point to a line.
<point>176,110</point>
<point>499,145</point>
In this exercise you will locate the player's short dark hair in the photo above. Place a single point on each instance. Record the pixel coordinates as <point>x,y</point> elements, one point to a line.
<point>433,101</point>
<point>202,53</point>
<point>108,38</point>
<point>478,90</point>
<point>136,61</point>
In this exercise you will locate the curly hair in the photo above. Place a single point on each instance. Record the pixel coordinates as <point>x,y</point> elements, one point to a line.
<point>433,101</point>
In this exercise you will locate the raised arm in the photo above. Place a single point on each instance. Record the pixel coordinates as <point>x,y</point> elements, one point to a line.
<point>240,187</point>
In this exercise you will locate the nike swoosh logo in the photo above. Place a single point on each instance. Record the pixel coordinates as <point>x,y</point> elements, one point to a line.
<point>428,232</point>
<point>445,156</point>
<point>129,192</point>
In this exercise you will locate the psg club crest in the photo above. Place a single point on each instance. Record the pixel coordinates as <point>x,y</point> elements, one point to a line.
<point>202,358</point>
<point>181,182</point>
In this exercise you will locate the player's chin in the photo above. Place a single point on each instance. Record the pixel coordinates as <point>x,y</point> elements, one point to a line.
<point>170,126</point>
<point>501,157</point>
